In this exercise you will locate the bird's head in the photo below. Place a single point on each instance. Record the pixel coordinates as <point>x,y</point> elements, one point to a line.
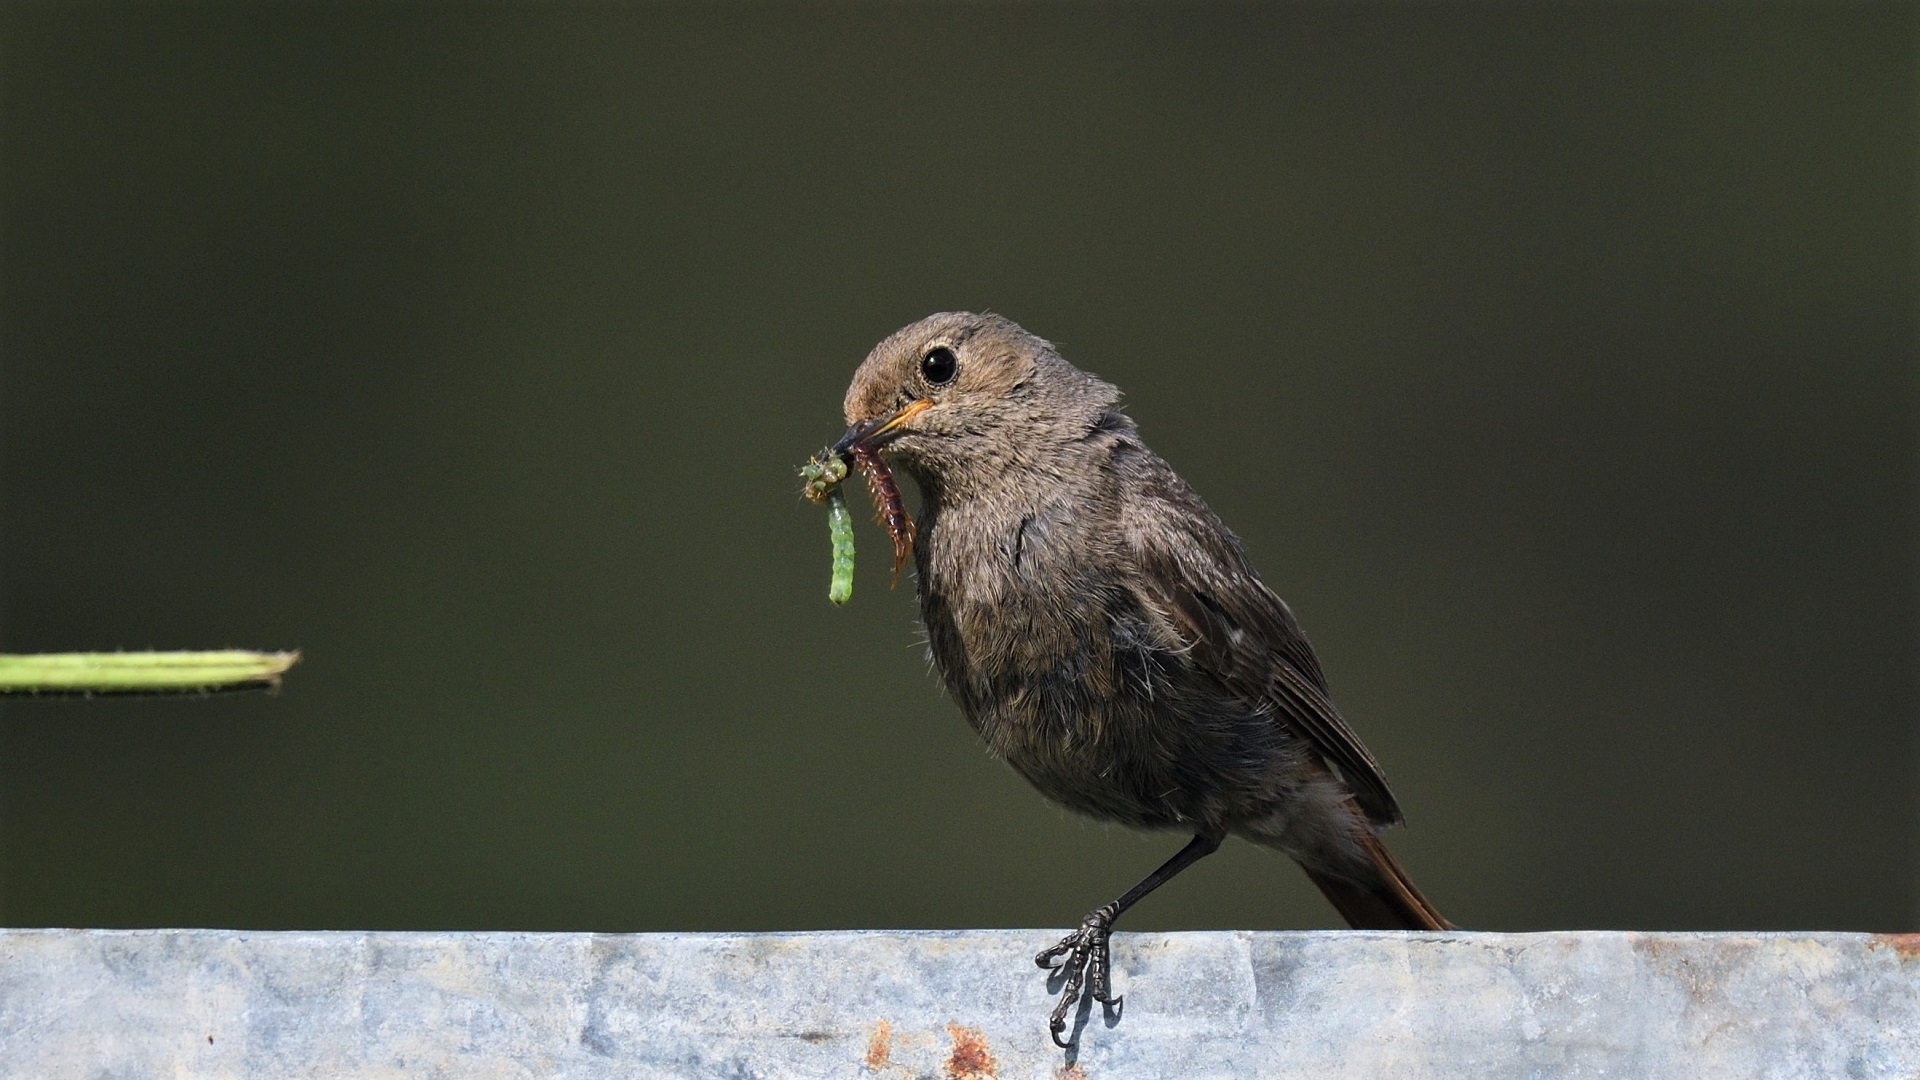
<point>960,400</point>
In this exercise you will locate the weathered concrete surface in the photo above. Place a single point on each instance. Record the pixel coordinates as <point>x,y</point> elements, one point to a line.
<point>212,1003</point>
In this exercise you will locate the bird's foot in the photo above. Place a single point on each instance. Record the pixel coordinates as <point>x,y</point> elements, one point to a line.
<point>1083,956</point>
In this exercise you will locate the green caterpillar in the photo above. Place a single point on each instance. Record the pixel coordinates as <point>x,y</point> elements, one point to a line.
<point>820,482</point>
<point>840,528</point>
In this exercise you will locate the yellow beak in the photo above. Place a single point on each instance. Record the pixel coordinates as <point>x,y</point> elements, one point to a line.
<point>873,431</point>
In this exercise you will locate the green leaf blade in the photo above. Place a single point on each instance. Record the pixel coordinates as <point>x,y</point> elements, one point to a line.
<point>142,672</point>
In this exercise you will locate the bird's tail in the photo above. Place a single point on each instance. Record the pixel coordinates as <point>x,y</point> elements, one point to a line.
<point>1388,901</point>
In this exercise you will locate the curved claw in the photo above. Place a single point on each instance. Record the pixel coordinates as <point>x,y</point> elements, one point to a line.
<point>1048,956</point>
<point>1055,1026</point>
<point>1087,963</point>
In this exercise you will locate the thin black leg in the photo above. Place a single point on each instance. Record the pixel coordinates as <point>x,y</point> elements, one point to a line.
<point>1085,949</point>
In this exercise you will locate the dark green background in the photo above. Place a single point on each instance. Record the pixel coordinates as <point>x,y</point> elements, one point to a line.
<point>1557,363</point>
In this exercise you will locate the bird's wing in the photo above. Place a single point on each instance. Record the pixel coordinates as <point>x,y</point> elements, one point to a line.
<point>1237,628</point>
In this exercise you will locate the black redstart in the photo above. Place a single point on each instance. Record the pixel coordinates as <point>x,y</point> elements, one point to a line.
<point>1106,635</point>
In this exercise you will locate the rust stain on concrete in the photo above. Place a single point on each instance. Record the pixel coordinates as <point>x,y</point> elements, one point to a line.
<point>880,1046</point>
<point>969,1059</point>
<point>1905,946</point>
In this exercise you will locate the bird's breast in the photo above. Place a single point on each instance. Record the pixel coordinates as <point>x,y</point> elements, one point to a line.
<point>1069,678</point>
<point>1018,593</point>
<point>1028,625</point>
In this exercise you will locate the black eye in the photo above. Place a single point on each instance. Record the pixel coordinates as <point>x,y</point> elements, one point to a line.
<point>938,366</point>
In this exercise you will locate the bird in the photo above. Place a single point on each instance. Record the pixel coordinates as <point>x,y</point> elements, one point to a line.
<point>1106,634</point>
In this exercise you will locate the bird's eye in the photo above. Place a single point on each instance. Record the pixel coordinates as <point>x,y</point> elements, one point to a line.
<point>938,367</point>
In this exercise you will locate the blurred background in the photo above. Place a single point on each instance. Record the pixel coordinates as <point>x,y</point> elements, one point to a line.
<point>1557,363</point>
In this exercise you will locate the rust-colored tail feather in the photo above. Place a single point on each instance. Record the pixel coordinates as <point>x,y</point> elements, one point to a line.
<point>1390,902</point>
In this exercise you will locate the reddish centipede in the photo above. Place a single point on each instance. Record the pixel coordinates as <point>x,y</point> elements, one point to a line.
<point>887,506</point>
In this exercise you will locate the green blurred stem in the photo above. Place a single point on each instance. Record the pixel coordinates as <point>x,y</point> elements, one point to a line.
<point>142,672</point>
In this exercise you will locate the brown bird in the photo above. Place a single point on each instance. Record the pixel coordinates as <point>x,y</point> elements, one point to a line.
<point>1106,634</point>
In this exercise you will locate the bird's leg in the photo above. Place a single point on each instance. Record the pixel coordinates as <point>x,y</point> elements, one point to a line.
<point>1085,950</point>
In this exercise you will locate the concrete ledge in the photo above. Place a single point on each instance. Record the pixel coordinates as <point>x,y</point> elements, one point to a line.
<point>191,1003</point>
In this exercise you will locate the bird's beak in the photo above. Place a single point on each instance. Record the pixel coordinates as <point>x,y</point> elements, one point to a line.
<point>876,431</point>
